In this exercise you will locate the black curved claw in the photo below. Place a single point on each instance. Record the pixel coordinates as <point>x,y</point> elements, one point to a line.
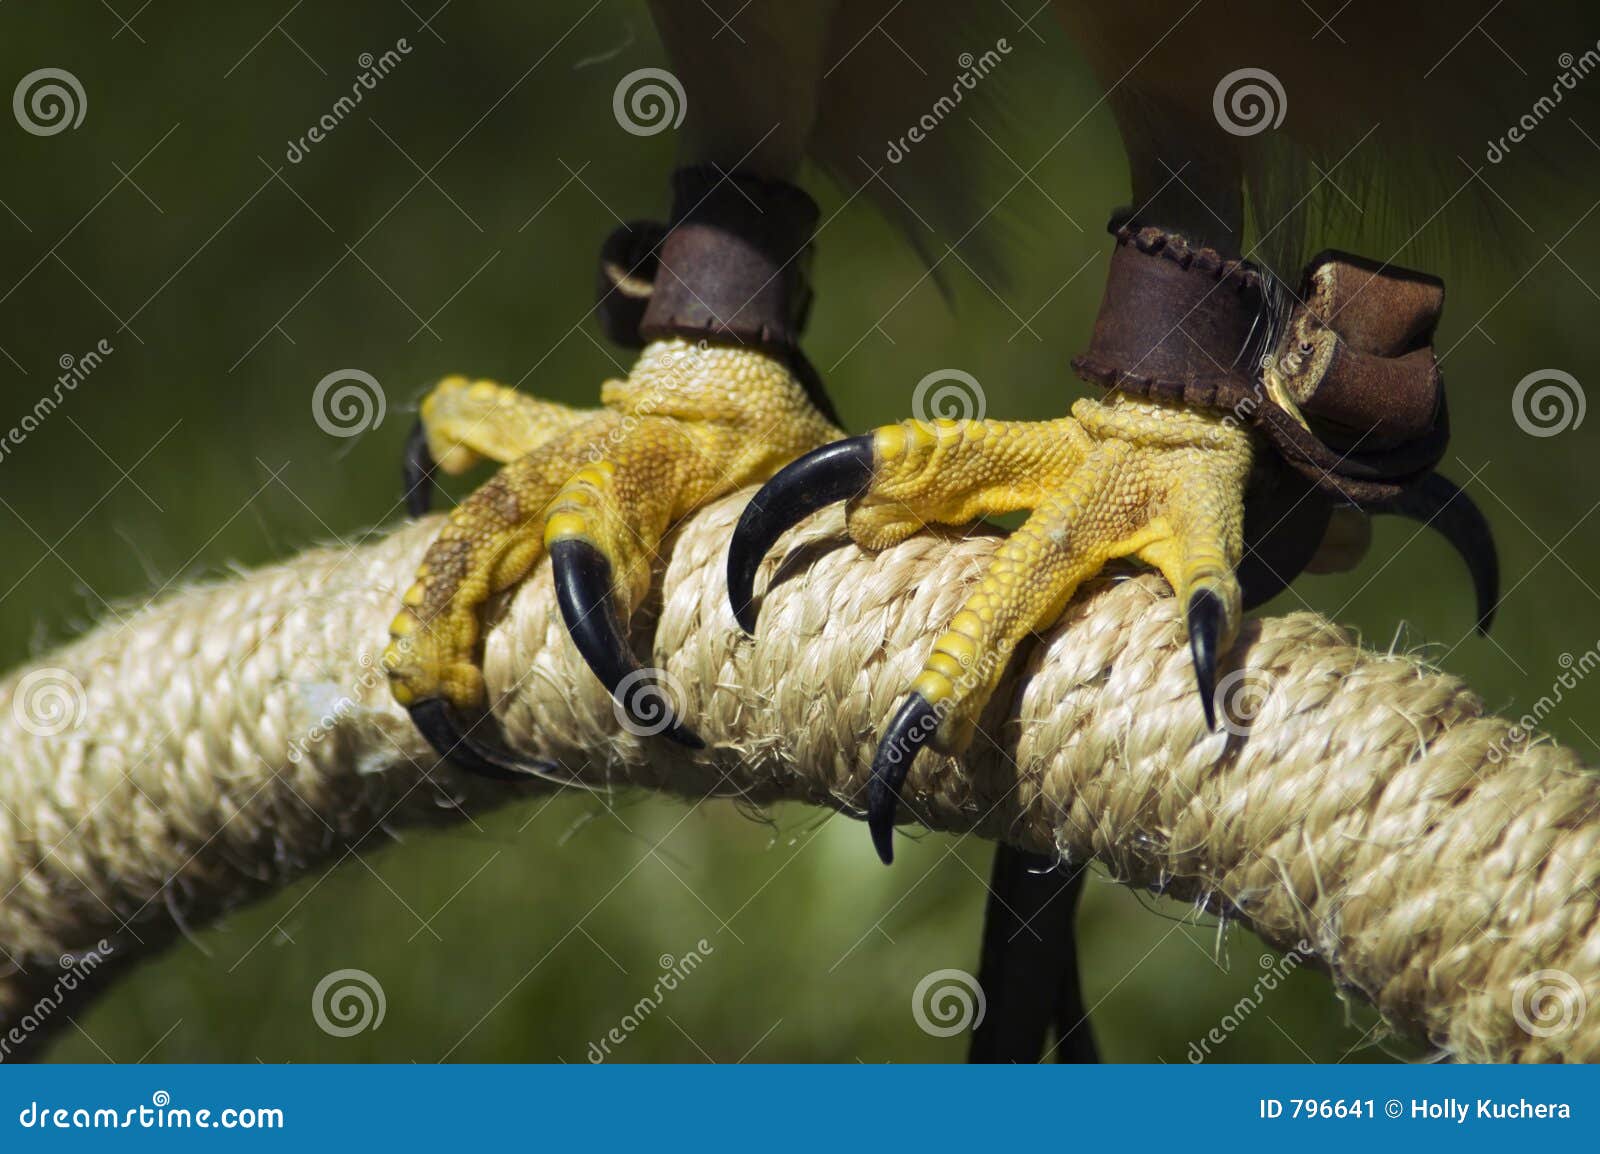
<point>417,471</point>
<point>584,591</point>
<point>1205,615</point>
<point>1439,503</point>
<point>823,476</point>
<point>911,729</point>
<point>477,746</point>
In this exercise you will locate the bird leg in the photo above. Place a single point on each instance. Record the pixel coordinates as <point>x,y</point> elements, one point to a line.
<point>720,397</point>
<point>1158,473</point>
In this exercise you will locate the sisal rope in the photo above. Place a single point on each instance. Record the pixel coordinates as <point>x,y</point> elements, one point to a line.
<point>231,737</point>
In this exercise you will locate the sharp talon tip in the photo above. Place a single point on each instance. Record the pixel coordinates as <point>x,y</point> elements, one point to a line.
<point>417,471</point>
<point>1440,504</point>
<point>1205,616</point>
<point>589,608</point>
<point>883,837</point>
<point>483,753</point>
<point>912,728</point>
<point>820,478</point>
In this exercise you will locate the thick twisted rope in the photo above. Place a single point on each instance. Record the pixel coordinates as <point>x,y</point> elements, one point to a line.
<point>231,737</point>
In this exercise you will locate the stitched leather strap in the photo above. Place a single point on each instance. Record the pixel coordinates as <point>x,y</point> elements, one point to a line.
<point>1344,385</point>
<point>731,268</point>
<point>1175,322</point>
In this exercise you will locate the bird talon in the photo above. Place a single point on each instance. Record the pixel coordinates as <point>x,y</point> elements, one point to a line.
<point>485,754</point>
<point>1440,504</point>
<point>586,594</point>
<point>835,472</point>
<point>912,728</point>
<point>596,491</point>
<point>1143,480</point>
<point>1205,617</point>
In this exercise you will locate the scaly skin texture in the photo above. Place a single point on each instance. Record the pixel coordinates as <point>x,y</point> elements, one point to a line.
<point>688,425</point>
<point>1162,484</point>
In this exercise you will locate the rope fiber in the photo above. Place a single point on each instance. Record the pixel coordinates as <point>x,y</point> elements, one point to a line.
<point>1358,806</point>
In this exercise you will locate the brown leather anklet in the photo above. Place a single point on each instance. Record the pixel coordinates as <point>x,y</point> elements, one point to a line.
<point>1342,382</point>
<point>732,269</point>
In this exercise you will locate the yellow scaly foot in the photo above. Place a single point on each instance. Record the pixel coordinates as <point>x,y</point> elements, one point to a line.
<point>1163,484</point>
<point>596,490</point>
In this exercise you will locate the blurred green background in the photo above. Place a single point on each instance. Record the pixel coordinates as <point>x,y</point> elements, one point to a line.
<point>451,224</point>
